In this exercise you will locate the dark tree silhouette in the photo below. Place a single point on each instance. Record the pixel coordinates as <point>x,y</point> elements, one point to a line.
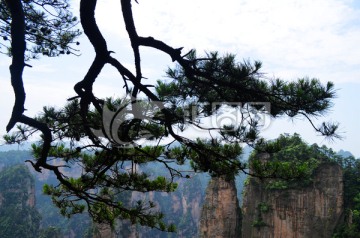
<point>48,25</point>
<point>109,139</point>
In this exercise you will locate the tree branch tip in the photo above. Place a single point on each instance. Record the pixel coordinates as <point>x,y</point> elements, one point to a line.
<point>35,166</point>
<point>187,53</point>
<point>30,66</point>
<point>73,98</point>
<point>10,125</point>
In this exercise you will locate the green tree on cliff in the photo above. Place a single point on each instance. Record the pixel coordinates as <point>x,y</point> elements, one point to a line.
<point>294,166</point>
<point>111,139</point>
<point>351,170</point>
<point>18,218</point>
<point>288,161</point>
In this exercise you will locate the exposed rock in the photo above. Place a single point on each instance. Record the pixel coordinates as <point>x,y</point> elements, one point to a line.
<point>220,215</point>
<point>181,207</point>
<point>18,215</point>
<point>312,211</point>
<point>23,188</point>
<point>103,231</point>
<point>31,193</point>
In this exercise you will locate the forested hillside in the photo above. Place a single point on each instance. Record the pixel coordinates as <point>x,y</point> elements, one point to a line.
<point>18,215</point>
<point>181,207</point>
<point>304,191</point>
<point>42,219</point>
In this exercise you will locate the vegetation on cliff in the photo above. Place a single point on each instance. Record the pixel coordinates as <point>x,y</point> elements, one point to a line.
<point>18,216</point>
<point>287,162</point>
<point>294,166</point>
<point>55,226</point>
<point>351,168</point>
<point>43,218</point>
<point>182,207</point>
<point>299,193</point>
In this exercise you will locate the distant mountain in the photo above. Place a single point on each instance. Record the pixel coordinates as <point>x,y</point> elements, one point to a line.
<point>51,222</point>
<point>345,154</point>
<point>18,215</point>
<point>23,146</point>
<point>181,207</point>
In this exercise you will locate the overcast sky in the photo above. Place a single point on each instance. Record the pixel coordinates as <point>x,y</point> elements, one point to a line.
<point>293,39</point>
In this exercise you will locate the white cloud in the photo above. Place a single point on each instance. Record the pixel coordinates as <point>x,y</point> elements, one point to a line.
<point>316,38</point>
<point>309,36</point>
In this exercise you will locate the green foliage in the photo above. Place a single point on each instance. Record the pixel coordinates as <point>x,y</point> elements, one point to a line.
<point>107,141</point>
<point>222,79</point>
<point>51,222</point>
<point>277,185</point>
<point>111,169</point>
<point>175,212</point>
<point>258,223</point>
<point>263,207</point>
<point>13,157</point>
<point>247,181</point>
<point>288,161</point>
<point>351,171</point>
<point>49,28</point>
<point>215,158</point>
<point>50,232</point>
<point>111,186</point>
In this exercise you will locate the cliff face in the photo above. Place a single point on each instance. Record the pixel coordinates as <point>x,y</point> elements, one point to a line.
<point>312,211</point>
<point>220,215</point>
<point>103,231</point>
<point>18,215</point>
<point>181,207</point>
<point>17,187</point>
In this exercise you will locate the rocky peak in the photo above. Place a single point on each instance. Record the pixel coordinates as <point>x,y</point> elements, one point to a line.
<point>220,214</point>
<point>17,187</point>
<point>103,231</point>
<point>311,211</point>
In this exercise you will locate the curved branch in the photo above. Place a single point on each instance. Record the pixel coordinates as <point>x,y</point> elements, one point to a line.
<point>88,22</point>
<point>18,47</point>
<point>47,137</point>
<point>84,87</point>
<point>134,39</point>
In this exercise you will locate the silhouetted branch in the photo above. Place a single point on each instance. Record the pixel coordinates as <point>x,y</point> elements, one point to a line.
<point>18,47</point>
<point>134,39</point>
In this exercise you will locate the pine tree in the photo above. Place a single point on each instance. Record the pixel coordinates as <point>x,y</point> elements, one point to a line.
<point>110,139</point>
